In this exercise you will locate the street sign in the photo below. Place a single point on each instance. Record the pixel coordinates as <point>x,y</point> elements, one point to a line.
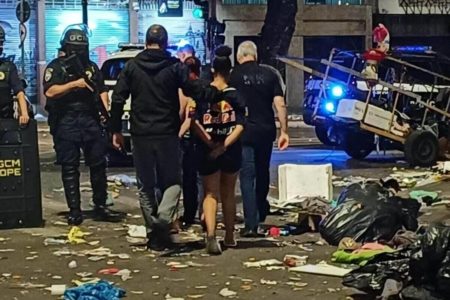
<point>26,11</point>
<point>170,8</point>
<point>22,33</point>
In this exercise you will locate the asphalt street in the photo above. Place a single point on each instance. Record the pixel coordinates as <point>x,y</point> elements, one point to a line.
<point>27,266</point>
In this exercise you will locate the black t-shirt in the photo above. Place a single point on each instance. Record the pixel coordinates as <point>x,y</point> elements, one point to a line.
<point>258,86</point>
<point>219,118</point>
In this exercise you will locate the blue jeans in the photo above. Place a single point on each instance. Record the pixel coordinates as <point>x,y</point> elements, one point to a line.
<point>255,180</point>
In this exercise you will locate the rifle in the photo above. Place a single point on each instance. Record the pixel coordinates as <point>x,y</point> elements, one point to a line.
<point>74,66</point>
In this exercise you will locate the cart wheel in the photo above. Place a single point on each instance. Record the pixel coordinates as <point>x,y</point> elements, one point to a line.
<point>322,135</point>
<point>421,148</point>
<point>358,145</point>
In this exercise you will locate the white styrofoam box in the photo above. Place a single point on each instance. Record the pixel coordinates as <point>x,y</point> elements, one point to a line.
<point>378,117</point>
<point>351,108</point>
<point>295,181</point>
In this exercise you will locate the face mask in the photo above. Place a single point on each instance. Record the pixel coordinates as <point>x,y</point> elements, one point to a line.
<point>82,52</point>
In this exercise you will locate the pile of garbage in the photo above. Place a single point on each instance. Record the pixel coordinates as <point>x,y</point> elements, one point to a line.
<point>368,212</point>
<point>416,272</point>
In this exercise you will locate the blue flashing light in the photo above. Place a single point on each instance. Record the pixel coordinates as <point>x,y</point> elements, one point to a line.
<point>329,106</point>
<point>197,13</point>
<point>413,49</point>
<point>337,91</point>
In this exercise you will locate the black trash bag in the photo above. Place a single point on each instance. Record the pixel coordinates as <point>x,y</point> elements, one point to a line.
<point>430,263</point>
<point>419,293</point>
<point>372,277</point>
<point>368,212</point>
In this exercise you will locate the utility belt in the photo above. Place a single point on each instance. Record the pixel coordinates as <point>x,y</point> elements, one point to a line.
<point>58,112</point>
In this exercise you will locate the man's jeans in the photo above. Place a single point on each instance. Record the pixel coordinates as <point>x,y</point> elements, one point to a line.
<point>255,180</point>
<point>157,162</point>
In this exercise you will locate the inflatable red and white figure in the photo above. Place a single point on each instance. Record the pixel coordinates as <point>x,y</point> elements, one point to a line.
<point>375,55</point>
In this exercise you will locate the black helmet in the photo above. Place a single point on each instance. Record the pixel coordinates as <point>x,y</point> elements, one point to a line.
<point>157,34</point>
<point>2,34</point>
<point>74,37</point>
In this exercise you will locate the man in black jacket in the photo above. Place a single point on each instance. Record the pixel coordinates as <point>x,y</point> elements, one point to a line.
<point>153,78</point>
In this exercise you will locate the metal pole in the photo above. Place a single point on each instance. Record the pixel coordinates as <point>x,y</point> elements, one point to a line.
<point>84,7</point>
<point>23,43</point>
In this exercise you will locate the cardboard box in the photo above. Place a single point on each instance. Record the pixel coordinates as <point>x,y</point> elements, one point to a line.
<point>296,181</point>
<point>350,108</point>
<point>378,117</point>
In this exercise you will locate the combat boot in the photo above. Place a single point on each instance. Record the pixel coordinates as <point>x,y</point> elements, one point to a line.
<point>71,182</point>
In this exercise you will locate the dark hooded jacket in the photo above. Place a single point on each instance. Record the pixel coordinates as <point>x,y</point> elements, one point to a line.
<point>152,79</point>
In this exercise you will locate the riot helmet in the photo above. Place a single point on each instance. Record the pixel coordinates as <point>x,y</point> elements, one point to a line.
<point>75,40</point>
<point>2,39</point>
<point>157,34</point>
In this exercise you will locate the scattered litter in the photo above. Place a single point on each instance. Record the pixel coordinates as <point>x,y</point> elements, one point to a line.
<point>268,282</point>
<point>110,262</point>
<point>86,281</point>
<point>96,258</point>
<point>304,248</point>
<point>7,250</point>
<point>137,292</point>
<point>94,243</point>
<point>294,260</point>
<point>53,242</point>
<point>424,196</point>
<point>137,231</point>
<point>331,290</point>
<point>155,277</point>
<point>6,275</point>
<point>168,297</point>
<point>177,265</point>
<point>2,239</point>
<point>122,179</point>
<point>201,287</point>
<point>60,190</point>
<point>225,292</point>
<point>57,277</point>
<point>246,287</point>
<point>101,290</point>
<point>297,284</point>
<point>272,268</point>
<point>84,274</point>
<point>124,274</point>
<point>57,289</point>
<point>28,285</point>
<point>59,223</point>
<point>72,264</point>
<point>263,263</point>
<point>109,271</point>
<point>75,235</point>
<point>322,268</point>
<point>133,240</point>
<point>195,296</point>
<point>31,257</point>
<point>36,234</point>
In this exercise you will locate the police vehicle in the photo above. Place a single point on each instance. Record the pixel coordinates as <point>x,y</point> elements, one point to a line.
<point>419,99</point>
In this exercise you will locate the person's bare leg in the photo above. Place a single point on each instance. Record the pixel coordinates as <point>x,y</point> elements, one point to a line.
<point>228,197</point>
<point>211,186</point>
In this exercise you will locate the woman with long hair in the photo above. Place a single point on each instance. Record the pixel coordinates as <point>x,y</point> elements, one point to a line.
<point>219,125</point>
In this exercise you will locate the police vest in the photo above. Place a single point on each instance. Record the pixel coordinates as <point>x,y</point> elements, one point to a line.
<point>5,88</point>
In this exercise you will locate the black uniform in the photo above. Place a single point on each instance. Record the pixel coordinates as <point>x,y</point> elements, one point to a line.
<point>10,85</point>
<point>74,124</point>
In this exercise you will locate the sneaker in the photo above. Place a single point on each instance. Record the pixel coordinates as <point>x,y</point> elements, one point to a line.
<point>213,246</point>
<point>75,217</point>
<point>104,214</point>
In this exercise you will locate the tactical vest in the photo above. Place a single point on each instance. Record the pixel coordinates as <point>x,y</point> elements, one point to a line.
<point>78,100</point>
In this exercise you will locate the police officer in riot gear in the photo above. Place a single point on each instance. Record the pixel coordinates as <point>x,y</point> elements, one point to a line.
<point>10,86</point>
<point>72,103</point>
